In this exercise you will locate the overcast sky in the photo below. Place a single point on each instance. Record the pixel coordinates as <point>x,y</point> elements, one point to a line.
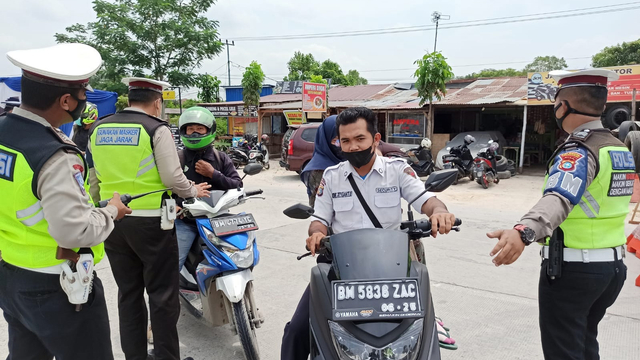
<point>32,23</point>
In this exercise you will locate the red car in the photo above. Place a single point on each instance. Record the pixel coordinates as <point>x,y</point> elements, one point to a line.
<point>298,145</point>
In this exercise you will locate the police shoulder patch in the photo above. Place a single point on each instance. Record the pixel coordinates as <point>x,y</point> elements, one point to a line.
<point>7,164</point>
<point>80,181</point>
<point>568,174</point>
<point>622,160</point>
<point>321,188</point>
<point>409,171</point>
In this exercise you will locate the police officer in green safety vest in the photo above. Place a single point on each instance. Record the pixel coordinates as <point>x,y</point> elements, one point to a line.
<point>45,207</point>
<point>579,221</point>
<point>133,152</point>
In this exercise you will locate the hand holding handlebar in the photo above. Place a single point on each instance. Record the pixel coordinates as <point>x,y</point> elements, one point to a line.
<point>442,223</point>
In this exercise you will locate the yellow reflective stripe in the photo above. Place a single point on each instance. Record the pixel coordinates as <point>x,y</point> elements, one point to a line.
<point>34,220</point>
<point>29,211</point>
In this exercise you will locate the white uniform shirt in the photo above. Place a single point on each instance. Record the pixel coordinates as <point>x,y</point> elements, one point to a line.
<point>387,182</point>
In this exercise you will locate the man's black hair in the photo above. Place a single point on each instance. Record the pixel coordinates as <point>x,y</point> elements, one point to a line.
<point>351,115</point>
<point>143,96</point>
<point>587,98</point>
<point>42,96</point>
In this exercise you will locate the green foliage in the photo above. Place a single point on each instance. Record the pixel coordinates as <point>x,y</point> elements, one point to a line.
<point>186,103</point>
<point>492,73</point>
<point>353,78</point>
<point>252,84</point>
<point>123,102</point>
<point>317,79</point>
<point>162,39</point>
<point>222,145</point>
<point>221,127</point>
<point>209,88</point>
<point>302,67</point>
<point>627,53</point>
<point>432,75</point>
<point>546,63</point>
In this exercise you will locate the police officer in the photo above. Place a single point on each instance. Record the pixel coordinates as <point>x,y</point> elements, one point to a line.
<point>585,202</point>
<point>133,152</point>
<point>382,182</point>
<point>44,206</point>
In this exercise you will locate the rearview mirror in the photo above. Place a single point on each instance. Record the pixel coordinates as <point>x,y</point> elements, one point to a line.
<point>252,169</point>
<point>299,211</point>
<point>440,180</point>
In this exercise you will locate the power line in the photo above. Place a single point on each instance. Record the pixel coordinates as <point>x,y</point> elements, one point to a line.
<point>454,25</point>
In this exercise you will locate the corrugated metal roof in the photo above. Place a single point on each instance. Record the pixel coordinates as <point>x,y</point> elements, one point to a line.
<point>488,91</point>
<point>359,92</point>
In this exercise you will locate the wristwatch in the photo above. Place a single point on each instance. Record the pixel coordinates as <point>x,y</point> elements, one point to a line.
<point>527,235</point>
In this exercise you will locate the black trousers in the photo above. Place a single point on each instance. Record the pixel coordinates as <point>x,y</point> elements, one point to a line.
<point>572,306</point>
<point>295,341</point>
<point>143,256</point>
<point>42,322</point>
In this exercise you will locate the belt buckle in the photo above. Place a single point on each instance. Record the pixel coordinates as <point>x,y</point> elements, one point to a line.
<point>585,256</point>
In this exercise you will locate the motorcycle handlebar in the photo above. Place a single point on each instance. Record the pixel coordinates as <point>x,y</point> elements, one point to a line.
<point>252,193</point>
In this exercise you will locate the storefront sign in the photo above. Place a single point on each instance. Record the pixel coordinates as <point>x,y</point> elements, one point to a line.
<point>406,125</point>
<point>288,87</point>
<point>295,117</point>
<point>314,97</point>
<point>232,110</point>
<point>542,88</point>
<point>168,95</point>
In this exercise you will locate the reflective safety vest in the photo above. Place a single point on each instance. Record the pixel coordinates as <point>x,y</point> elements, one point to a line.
<point>122,152</point>
<point>597,221</point>
<point>25,146</point>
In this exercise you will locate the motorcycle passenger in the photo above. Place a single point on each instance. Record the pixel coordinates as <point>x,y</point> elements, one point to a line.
<point>81,126</point>
<point>201,163</point>
<point>580,221</point>
<point>326,153</point>
<point>383,182</point>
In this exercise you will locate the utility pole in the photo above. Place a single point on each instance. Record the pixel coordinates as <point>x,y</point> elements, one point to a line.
<point>436,17</point>
<point>233,43</point>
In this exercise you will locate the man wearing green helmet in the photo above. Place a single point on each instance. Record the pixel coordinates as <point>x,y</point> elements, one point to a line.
<point>201,163</point>
<point>82,126</point>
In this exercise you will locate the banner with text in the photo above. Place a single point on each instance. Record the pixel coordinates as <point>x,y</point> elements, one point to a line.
<point>295,117</point>
<point>542,88</point>
<point>314,97</point>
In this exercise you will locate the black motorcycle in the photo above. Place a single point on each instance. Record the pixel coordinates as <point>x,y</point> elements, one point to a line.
<point>460,158</point>
<point>260,153</point>
<point>240,154</point>
<point>421,160</point>
<point>372,302</point>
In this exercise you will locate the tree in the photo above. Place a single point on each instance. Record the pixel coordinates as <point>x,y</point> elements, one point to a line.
<point>331,70</point>
<point>432,75</point>
<point>492,73</point>
<point>627,53</point>
<point>252,84</point>
<point>302,67</point>
<point>546,63</point>
<point>165,40</point>
<point>209,88</point>
<point>353,78</point>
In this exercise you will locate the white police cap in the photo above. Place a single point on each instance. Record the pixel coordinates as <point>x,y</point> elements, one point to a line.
<point>581,78</point>
<point>140,83</point>
<point>65,65</point>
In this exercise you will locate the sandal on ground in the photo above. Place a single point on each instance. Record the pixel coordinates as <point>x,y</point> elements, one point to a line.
<point>441,323</point>
<point>444,339</point>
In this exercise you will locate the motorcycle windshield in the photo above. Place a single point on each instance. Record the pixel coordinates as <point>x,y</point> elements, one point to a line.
<point>370,254</point>
<point>213,198</point>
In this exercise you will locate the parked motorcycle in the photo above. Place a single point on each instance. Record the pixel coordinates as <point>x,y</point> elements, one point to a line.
<point>485,165</point>
<point>216,282</point>
<point>420,158</point>
<point>460,158</point>
<point>239,154</point>
<point>365,309</point>
<point>260,153</point>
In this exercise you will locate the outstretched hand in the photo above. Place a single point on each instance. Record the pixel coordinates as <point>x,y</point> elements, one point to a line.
<point>509,247</point>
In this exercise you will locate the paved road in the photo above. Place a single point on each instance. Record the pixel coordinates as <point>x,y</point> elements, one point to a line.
<point>492,311</point>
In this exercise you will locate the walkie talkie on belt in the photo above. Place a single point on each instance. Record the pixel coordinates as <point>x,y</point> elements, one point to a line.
<point>556,254</point>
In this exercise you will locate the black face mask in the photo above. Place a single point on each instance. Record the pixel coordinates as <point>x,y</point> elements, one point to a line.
<point>360,158</point>
<point>77,112</point>
<point>569,111</point>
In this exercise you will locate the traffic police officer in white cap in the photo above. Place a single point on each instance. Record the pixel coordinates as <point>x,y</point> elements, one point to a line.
<point>579,220</point>
<point>133,152</point>
<point>45,206</point>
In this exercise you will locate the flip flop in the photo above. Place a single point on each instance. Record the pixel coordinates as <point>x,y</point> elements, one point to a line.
<point>448,343</point>
<point>442,324</point>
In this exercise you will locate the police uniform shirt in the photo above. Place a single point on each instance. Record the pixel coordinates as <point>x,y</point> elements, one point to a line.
<point>553,208</point>
<point>166,157</point>
<point>73,221</point>
<point>387,182</point>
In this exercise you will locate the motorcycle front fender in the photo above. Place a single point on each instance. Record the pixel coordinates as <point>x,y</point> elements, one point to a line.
<point>234,284</point>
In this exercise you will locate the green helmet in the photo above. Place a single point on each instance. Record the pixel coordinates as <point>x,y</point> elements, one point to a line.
<point>201,116</point>
<point>90,114</point>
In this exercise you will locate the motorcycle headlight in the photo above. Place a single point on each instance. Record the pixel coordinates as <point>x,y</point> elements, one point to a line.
<point>406,347</point>
<point>242,258</point>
